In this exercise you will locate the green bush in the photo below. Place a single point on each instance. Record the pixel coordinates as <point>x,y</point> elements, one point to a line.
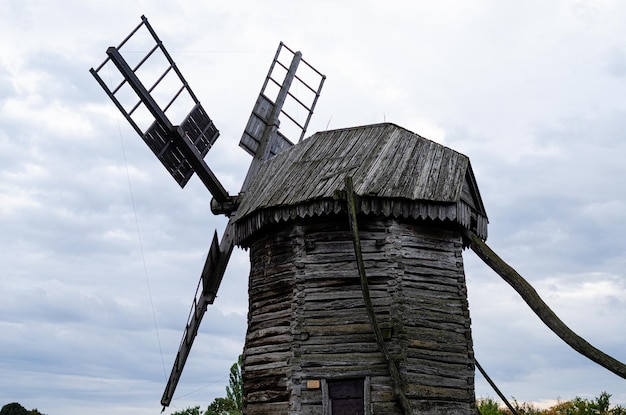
<point>601,405</point>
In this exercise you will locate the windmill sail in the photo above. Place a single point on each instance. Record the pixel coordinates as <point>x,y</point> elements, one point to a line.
<point>206,292</point>
<point>180,148</point>
<point>267,110</point>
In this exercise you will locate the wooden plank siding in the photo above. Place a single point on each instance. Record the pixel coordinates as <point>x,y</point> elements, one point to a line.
<point>395,173</point>
<point>307,318</point>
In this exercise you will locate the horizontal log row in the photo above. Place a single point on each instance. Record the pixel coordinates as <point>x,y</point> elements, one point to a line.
<point>438,365</point>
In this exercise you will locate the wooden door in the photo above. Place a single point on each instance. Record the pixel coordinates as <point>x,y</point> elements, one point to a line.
<point>346,396</point>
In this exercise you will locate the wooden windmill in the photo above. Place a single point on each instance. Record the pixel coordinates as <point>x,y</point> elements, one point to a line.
<point>357,293</point>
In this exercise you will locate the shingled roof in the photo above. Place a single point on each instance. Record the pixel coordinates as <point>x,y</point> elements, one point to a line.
<point>395,173</point>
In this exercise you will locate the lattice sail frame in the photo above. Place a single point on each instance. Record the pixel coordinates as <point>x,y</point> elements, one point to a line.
<point>197,126</point>
<point>289,99</point>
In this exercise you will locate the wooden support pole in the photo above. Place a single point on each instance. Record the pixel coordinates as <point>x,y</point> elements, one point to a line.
<point>549,318</point>
<point>495,388</point>
<point>380,341</point>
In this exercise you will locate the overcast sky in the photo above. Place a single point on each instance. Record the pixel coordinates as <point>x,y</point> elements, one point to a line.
<point>101,251</point>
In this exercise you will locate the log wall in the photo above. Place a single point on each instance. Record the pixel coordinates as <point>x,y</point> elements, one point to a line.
<point>307,319</point>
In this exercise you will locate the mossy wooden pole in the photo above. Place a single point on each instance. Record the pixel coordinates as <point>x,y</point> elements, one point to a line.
<point>393,369</point>
<point>549,318</point>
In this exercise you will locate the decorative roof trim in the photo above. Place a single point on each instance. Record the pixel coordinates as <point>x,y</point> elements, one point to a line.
<point>459,212</point>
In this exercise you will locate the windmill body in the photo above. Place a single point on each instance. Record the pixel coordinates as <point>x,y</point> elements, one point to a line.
<point>318,340</point>
<point>310,348</point>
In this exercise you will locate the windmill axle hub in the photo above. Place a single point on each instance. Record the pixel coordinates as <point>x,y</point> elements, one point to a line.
<point>225,208</point>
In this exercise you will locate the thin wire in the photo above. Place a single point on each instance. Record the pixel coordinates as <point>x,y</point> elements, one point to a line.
<point>173,404</point>
<point>143,256</point>
<point>202,387</point>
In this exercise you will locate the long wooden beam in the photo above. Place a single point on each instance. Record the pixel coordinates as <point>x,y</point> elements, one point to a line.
<point>534,301</point>
<point>396,379</point>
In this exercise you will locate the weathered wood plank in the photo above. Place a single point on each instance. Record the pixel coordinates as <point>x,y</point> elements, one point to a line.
<point>427,392</point>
